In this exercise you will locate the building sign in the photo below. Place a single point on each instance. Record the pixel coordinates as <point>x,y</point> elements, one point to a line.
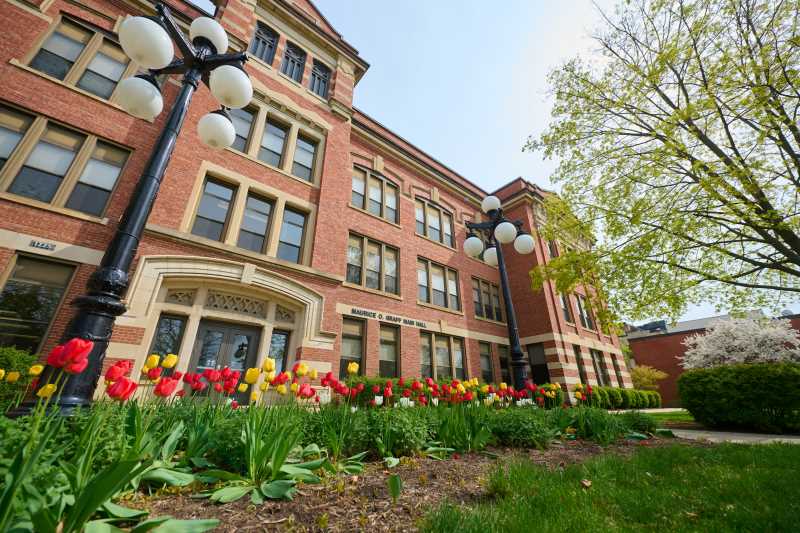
<point>381,316</point>
<point>42,245</point>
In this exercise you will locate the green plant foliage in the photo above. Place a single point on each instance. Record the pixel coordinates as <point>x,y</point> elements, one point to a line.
<point>638,421</point>
<point>525,428</point>
<point>764,396</point>
<point>20,361</point>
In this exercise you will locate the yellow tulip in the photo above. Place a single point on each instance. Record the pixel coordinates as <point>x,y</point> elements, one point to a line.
<point>461,388</point>
<point>269,365</point>
<point>313,373</point>
<point>264,386</point>
<point>270,375</point>
<point>35,370</point>
<point>242,387</point>
<point>152,360</point>
<point>145,369</point>
<point>253,397</point>
<point>170,360</point>
<point>578,395</point>
<point>46,391</point>
<point>352,368</point>
<point>2,374</point>
<point>485,389</point>
<point>251,376</point>
<point>12,377</point>
<point>503,386</point>
<point>281,389</point>
<point>301,370</point>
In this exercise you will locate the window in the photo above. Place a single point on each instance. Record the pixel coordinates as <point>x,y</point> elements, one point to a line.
<point>617,371</point>
<point>168,336</point>
<point>437,285</point>
<point>272,143</point>
<point>320,79</point>
<point>387,366</point>
<point>279,349</point>
<point>58,166</point>
<point>552,247</point>
<point>294,61</point>
<point>434,223</point>
<point>212,214</point>
<point>487,371</point>
<point>442,356</point>
<point>352,345</point>
<point>29,301</point>
<point>539,371</point>
<point>579,360</point>
<point>585,313</point>
<point>376,269</point>
<point>599,368</point>
<point>243,124</point>
<point>375,194</point>
<point>264,43</point>
<point>255,223</point>
<point>99,75</point>
<point>486,300</point>
<point>290,243</point>
<point>505,363</point>
<point>304,153</point>
<point>566,308</point>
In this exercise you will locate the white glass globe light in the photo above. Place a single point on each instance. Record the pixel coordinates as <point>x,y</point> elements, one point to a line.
<point>210,29</point>
<point>146,42</point>
<point>490,256</point>
<point>505,232</point>
<point>231,86</point>
<point>490,203</point>
<point>473,246</point>
<point>524,243</point>
<point>140,98</point>
<point>216,131</point>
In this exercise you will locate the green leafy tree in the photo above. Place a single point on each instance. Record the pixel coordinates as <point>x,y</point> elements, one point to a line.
<point>646,377</point>
<point>680,152</point>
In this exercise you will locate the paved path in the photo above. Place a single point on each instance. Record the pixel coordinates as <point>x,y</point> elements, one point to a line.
<point>653,410</point>
<point>731,436</point>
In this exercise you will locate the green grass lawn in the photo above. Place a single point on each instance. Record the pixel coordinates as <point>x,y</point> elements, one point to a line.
<point>677,488</point>
<point>676,416</point>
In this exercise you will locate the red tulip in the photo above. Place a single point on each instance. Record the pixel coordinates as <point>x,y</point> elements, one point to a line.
<point>429,382</point>
<point>198,385</point>
<point>118,369</point>
<point>360,387</point>
<point>423,400</point>
<point>165,387</point>
<point>211,375</point>
<point>154,373</point>
<point>468,396</point>
<point>376,389</point>
<point>226,373</point>
<point>234,404</point>
<point>401,382</point>
<point>177,375</point>
<point>181,393</point>
<point>387,392</point>
<point>34,383</point>
<point>76,366</point>
<point>217,387</point>
<point>122,389</point>
<point>407,393</point>
<point>389,384</point>
<point>416,385</point>
<point>316,399</point>
<point>72,352</point>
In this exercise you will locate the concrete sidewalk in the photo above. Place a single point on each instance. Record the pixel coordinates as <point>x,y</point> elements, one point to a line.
<point>732,436</point>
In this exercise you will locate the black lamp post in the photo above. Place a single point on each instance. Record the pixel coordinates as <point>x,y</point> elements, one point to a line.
<point>499,230</point>
<point>149,42</point>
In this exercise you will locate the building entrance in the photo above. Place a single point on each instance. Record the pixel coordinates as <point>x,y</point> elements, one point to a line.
<point>221,344</point>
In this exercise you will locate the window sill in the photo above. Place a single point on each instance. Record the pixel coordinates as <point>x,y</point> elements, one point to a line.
<point>377,292</point>
<point>451,248</point>
<point>290,80</point>
<point>395,224</point>
<point>73,88</point>
<point>276,169</point>
<point>259,62</point>
<point>52,208</point>
<point>497,322</point>
<point>438,308</point>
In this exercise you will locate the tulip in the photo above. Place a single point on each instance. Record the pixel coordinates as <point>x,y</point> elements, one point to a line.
<point>253,397</point>
<point>2,374</point>
<point>352,368</point>
<point>503,386</point>
<point>313,374</point>
<point>152,360</point>
<point>281,389</point>
<point>251,376</point>
<point>12,377</point>
<point>35,370</point>
<point>122,389</point>
<point>234,404</point>
<point>154,373</point>
<point>117,370</point>
<point>165,387</point>
<point>198,385</point>
<point>294,387</point>
<point>170,360</point>
<point>269,365</point>
<point>376,389</point>
<point>578,395</point>
<point>46,391</point>
<point>270,375</point>
<point>226,373</point>
<point>181,393</point>
<point>212,376</point>
<point>264,386</point>
<point>300,369</point>
<point>218,387</point>
<point>242,387</point>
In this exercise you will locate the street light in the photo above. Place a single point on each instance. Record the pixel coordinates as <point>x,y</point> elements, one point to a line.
<point>496,231</point>
<point>148,41</point>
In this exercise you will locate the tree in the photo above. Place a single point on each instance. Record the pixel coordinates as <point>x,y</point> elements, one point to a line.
<point>742,340</point>
<point>680,154</point>
<point>646,377</point>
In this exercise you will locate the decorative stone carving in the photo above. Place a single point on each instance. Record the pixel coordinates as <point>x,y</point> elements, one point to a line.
<point>235,303</point>
<point>181,296</point>
<point>284,315</point>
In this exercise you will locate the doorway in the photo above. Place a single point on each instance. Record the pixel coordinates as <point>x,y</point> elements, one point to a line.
<point>221,344</point>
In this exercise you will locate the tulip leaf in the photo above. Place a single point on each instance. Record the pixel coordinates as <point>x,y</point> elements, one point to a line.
<point>312,450</point>
<point>168,476</point>
<point>221,474</point>
<point>391,462</point>
<point>312,465</point>
<point>353,467</point>
<point>278,489</point>
<point>395,486</point>
<point>300,474</point>
<point>151,524</point>
<point>230,494</point>
<point>101,526</point>
<point>357,457</point>
<point>118,511</point>
<point>174,525</point>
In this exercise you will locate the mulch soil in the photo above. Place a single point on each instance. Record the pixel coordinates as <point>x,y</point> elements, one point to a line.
<point>362,502</point>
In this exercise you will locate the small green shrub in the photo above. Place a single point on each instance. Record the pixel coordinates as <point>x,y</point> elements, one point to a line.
<point>638,421</point>
<point>762,396</point>
<point>12,359</point>
<point>401,431</point>
<point>628,399</point>
<point>526,428</point>
<point>615,395</point>
<point>596,424</point>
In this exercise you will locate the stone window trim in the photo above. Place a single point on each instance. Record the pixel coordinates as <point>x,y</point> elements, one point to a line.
<point>383,247</point>
<point>245,186</point>
<point>296,127</point>
<point>386,184</point>
<point>428,206</point>
<point>27,143</point>
<point>452,341</point>
<point>493,289</point>
<point>448,272</point>
<point>98,38</point>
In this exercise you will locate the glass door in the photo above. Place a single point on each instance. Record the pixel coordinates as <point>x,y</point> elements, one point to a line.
<point>221,344</point>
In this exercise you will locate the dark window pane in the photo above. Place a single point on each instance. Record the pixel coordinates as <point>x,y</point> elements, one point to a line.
<point>36,184</point>
<point>168,336</point>
<point>279,349</point>
<point>29,300</point>
<point>538,361</point>
<point>291,236</point>
<point>88,199</point>
<point>255,222</point>
<point>303,164</point>
<point>97,84</point>
<point>213,210</point>
<point>49,63</point>
<point>579,360</point>
<point>251,241</point>
<point>294,60</point>
<point>242,124</point>
<point>272,143</point>
<point>354,274</point>
<point>264,43</point>
<point>320,79</point>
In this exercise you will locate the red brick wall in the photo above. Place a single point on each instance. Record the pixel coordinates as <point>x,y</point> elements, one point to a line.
<point>662,352</point>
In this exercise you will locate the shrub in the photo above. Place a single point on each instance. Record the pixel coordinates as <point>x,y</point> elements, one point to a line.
<point>602,394</point>
<point>628,399</point>
<point>525,428</point>
<point>655,399</point>
<point>646,377</point>
<point>763,396</point>
<point>638,421</point>
<point>615,395</point>
<point>402,431</point>
<point>597,424</point>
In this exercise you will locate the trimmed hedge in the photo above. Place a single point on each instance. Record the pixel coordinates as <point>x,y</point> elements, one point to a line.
<point>762,396</point>
<point>619,398</point>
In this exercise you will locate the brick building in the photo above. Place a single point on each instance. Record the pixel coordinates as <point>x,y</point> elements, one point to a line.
<point>320,235</point>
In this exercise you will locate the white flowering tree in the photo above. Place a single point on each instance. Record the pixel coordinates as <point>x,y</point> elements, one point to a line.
<point>742,340</point>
